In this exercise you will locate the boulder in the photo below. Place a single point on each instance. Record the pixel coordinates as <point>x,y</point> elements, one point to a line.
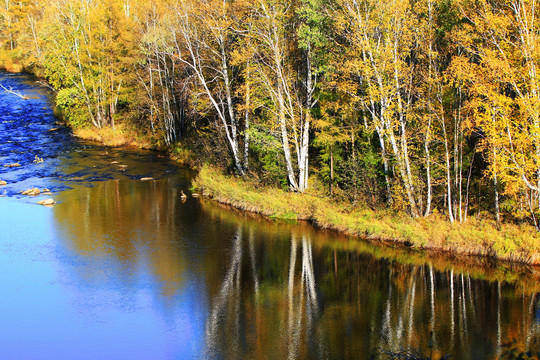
<point>31,192</point>
<point>2,182</point>
<point>46,202</point>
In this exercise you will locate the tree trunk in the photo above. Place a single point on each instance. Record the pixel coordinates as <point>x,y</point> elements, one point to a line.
<point>331,170</point>
<point>428,169</point>
<point>496,189</point>
<point>285,139</point>
<point>386,168</point>
<point>232,117</point>
<point>448,175</point>
<point>304,148</point>
<point>246,119</point>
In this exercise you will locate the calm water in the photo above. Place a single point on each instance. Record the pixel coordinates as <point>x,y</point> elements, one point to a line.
<point>125,269</point>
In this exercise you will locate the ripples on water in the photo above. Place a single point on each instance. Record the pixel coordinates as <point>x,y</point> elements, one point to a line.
<point>124,269</point>
<point>25,133</point>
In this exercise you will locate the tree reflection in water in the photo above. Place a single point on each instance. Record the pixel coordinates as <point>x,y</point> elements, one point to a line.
<point>270,290</point>
<point>225,309</point>
<point>297,301</point>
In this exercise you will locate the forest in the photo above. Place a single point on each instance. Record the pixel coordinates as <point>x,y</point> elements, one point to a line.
<point>420,106</point>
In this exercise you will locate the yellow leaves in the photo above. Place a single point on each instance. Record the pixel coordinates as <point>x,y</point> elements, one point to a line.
<point>504,87</point>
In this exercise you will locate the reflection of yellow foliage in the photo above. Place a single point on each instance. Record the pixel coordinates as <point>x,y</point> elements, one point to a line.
<point>129,221</point>
<point>526,278</point>
<point>476,237</point>
<point>514,350</point>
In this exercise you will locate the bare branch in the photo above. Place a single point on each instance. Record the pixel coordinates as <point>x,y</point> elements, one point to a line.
<point>14,92</point>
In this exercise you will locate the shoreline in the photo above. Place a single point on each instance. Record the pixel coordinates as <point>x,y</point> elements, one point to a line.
<point>476,237</point>
<point>453,244</point>
<point>478,267</point>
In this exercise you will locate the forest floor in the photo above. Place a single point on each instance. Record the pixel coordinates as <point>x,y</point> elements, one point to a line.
<point>477,236</point>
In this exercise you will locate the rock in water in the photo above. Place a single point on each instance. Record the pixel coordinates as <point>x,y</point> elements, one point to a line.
<point>146,178</point>
<point>46,202</point>
<point>32,192</point>
<point>2,182</point>
<point>12,165</point>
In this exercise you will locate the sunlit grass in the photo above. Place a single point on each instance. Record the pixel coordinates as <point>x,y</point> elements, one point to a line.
<point>120,135</point>
<point>478,267</point>
<point>478,236</point>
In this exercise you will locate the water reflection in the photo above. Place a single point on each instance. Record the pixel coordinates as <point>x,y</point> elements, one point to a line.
<point>135,272</point>
<point>130,225</point>
<point>125,269</point>
<point>296,301</point>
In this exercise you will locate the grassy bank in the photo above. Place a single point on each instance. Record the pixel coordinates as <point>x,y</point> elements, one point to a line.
<point>478,236</point>
<point>120,135</point>
<point>483,268</point>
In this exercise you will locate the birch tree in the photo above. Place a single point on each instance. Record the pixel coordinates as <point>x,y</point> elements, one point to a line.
<point>87,51</point>
<point>277,76</point>
<point>381,39</point>
<point>203,34</point>
<point>507,93</point>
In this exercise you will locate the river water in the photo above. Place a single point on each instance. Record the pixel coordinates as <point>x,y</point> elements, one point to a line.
<point>122,268</point>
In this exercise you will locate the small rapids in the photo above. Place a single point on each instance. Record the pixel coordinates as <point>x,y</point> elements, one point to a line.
<point>49,155</point>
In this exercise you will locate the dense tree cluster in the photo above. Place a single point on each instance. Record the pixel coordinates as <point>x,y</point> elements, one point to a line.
<point>422,105</point>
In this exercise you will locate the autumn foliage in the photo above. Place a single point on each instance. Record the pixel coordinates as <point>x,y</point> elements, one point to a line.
<point>422,106</point>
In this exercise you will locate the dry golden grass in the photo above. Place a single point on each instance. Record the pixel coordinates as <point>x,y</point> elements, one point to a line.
<point>120,135</point>
<point>12,67</point>
<point>181,155</point>
<point>9,63</point>
<point>475,237</point>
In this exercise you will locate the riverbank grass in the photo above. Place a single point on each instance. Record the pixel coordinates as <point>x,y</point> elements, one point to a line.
<point>9,62</point>
<point>120,135</point>
<point>478,236</point>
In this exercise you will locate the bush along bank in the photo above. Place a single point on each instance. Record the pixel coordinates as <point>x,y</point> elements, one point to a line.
<point>477,236</point>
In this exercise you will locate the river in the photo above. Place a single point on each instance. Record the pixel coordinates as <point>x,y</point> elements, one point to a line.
<point>122,268</point>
